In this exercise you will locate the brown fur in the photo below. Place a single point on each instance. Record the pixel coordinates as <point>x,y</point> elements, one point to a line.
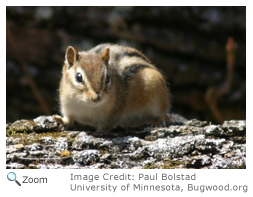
<point>136,93</point>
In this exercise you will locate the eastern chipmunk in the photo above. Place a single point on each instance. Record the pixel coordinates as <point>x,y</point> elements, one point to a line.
<point>112,85</point>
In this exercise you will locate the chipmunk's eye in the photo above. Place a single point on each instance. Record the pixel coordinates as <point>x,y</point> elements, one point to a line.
<point>79,77</point>
<point>107,79</point>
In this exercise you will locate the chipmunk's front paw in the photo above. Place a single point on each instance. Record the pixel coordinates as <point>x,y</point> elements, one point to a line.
<point>159,122</point>
<point>63,121</point>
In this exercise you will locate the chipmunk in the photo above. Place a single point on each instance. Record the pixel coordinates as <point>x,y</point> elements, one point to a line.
<point>112,85</point>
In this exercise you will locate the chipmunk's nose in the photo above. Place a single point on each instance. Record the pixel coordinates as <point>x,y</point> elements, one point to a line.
<point>96,97</point>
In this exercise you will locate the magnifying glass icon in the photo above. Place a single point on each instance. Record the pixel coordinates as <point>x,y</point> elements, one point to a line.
<point>12,177</point>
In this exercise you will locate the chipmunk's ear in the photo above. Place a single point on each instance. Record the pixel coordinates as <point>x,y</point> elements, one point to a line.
<point>105,55</point>
<point>71,55</point>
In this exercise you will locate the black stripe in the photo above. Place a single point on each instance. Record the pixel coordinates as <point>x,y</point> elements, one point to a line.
<point>131,70</point>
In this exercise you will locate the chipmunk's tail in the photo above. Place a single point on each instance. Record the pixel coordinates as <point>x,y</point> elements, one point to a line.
<point>174,119</point>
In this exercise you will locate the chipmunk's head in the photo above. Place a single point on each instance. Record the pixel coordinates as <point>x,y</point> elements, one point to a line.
<point>89,75</point>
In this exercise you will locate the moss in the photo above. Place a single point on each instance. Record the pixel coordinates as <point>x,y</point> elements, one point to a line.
<point>32,167</point>
<point>21,126</point>
<point>150,166</point>
<point>168,164</point>
<point>33,137</point>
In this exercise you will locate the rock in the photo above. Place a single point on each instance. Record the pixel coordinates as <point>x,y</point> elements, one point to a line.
<point>46,123</point>
<point>83,140</point>
<point>15,166</point>
<point>62,143</point>
<point>39,124</point>
<point>193,145</point>
<point>46,140</point>
<point>86,157</point>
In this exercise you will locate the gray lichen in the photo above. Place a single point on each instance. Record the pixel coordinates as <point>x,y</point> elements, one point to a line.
<point>39,143</point>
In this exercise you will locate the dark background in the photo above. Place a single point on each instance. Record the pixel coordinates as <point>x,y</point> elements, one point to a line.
<point>187,43</point>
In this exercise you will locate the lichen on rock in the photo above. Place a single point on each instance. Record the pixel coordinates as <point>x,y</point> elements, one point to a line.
<point>40,143</point>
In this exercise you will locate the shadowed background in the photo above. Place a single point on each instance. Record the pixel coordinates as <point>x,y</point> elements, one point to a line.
<point>186,43</point>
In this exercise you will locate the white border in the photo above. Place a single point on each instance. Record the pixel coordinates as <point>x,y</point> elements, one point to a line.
<point>59,180</point>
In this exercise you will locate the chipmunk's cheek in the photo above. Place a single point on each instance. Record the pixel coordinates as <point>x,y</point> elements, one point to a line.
<point>89,99</point>
<point>83,99</point>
